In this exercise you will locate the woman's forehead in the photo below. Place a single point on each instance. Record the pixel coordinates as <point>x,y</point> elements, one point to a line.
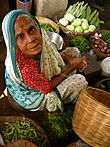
<point>24,17</point>
<point>23,22</point>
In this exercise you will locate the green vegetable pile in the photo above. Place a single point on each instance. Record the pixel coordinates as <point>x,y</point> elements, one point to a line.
<point>105,85</point>
<point>22,130</point>
<point>81,43</point>
<point>106,38</point>
<point>81,10</point>
<point>59,127</point>
<point>47,27</point>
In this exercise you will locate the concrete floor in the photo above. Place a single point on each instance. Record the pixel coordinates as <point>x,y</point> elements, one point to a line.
<point>5,108</point>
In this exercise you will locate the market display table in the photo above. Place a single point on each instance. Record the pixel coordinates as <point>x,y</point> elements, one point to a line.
<point>93,69</point>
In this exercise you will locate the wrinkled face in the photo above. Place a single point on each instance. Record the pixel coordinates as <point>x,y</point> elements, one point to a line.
<point>28,37</point>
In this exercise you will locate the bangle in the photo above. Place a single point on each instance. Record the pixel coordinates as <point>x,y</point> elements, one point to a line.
<point>64,75</point>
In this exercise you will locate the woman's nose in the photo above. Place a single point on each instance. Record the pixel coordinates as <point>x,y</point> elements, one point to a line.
<point>29,38</point>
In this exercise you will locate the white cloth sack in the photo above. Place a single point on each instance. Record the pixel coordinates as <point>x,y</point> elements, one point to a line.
<point>106,67</point>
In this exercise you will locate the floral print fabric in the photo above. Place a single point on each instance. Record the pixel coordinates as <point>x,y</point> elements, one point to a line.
<point>30,70</point>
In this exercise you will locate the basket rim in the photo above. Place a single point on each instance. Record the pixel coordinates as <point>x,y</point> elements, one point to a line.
<point>48,20</point>
<point>24,118</point>
<point>100,54</point>
<point>100,81</point>
<point>91,97</point>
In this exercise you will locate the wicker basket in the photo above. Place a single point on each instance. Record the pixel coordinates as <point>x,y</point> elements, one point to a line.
<point>47,20</point>
<point>101,81</point>
<point>13,119</point>
<point>98,53</point>
<point>91,120</point>
<point>72,33</point>
<point>26,6</point>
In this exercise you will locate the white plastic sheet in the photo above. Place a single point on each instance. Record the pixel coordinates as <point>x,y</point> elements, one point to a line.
<point>106,67</point>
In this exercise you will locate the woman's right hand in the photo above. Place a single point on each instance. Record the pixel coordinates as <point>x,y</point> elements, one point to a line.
<point>76,63</point>
<point>79,63</point>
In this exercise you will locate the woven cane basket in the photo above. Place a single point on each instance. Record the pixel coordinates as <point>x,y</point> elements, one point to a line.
<point>97,85</point>
<point>91,119</point>
<point>98,53</point>
<point>14,119</point>
<point>22,5</point>
<point>49,21</point>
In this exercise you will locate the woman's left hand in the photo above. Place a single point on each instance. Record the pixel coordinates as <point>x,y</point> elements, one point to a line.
<point>78,63</point>
<point>83,64</point>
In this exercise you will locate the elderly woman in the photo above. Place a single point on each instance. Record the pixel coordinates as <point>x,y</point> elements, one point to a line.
<point>36,75</point>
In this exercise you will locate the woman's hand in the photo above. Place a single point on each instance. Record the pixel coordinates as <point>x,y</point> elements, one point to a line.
<point>78,63</point>
<point>75,63</point>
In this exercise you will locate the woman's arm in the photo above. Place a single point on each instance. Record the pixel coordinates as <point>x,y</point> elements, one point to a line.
<point>74,63</point>
<point>58,79</point>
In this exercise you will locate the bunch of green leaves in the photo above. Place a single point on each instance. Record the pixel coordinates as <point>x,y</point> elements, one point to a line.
<point>82,10</point>
<point>106,38</point>
<point>81,43</point>
<point>47,27</point>
<point>105,85</point>
<point>22,130</point>
<point>91,17</point>
<point>76,9</point>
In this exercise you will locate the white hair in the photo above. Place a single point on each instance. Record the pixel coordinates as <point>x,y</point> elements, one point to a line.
<point>26,16</point>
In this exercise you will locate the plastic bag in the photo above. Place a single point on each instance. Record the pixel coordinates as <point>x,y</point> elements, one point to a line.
<point>106,67</point>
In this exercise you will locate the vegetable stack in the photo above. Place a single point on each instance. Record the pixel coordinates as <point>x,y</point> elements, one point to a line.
<point>101,42</point>
<point>47,27</point>
<point>22,130</point>
<point>80,18</point>
<point>81,43</point>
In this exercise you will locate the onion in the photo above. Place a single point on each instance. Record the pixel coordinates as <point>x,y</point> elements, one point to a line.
<point>97,41</point>
<point>102,50</point>
<point>100,35</point>
<point>105,48</point>
<point>98,49</point>
<point>108,51</point>
<point>96,45</point>
<point>100,46</point>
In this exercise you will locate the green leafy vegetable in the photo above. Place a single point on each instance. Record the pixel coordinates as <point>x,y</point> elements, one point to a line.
<point>106,38</point>
<point>81,43</point>
<point>105,85</point>
<point>59,127</point>
<point>77,9</point>
<point>47,27</point>
<point>88,12</point>
<point>23,130</point>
